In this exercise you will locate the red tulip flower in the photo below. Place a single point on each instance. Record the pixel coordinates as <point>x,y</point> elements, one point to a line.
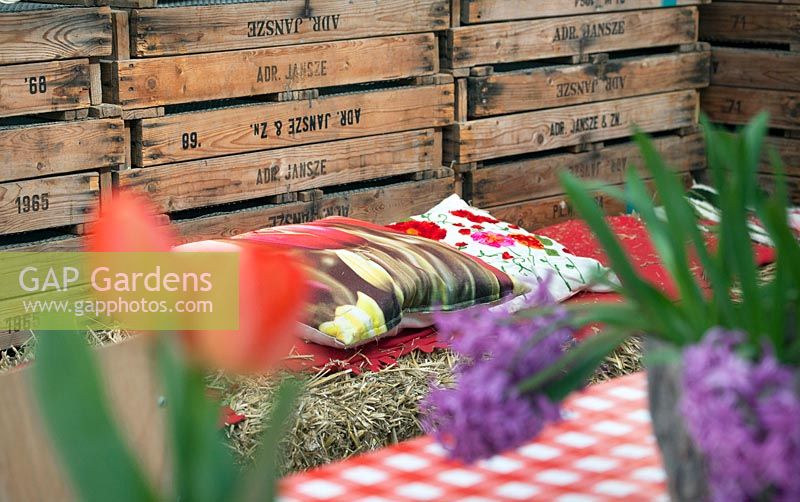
<point>272,286</point>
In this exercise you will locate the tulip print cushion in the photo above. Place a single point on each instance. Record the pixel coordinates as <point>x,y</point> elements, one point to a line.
<point>525,256</point>
<point>368,281</point>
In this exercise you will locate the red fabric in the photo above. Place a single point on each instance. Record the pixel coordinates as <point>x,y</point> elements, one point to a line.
<point>633,235</point>
<point>371,357</point>
<point>572,234</point>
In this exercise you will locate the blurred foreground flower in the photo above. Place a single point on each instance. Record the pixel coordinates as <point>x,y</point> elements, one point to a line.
<point>272,287</point>
<point>743,416</point>
<point>81,422</point>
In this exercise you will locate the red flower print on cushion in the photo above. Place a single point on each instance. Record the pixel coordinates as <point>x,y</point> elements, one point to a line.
<point>425,229</point>
<point>465,231</point>
<point>513,227</point>
<point>506,255</point>
<point>458,224</point>
<point>474,218</point>
<point>492,239</point>
<point>461,244</point>
<point>527,240</point>
<point>477,227</point>
<point>567,251</point>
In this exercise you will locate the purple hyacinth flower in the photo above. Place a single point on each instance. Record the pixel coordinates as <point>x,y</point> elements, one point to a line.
<point>744,417</point>
<point>484,413</point>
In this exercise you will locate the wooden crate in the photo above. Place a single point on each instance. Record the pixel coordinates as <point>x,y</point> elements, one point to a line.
<point>516,41</point>
<point>789,151</point>
<point>537,177</point>
<point>523,133</point>
<point>152,82</point>
<point>187,28</point>
<point>767,23</point>
<point>42,203</point>
<point>32,148</point>
<point>539,87</point>
<point>538,213</point>
<point>737,105</point>
<point>378,204</point>
<point>45,87</point>
<point>767,182</point>
<point>485,11</point>
<point>267,125</point>
<point>755,68</point>
<point>207,182</point>
<point>34,32</point>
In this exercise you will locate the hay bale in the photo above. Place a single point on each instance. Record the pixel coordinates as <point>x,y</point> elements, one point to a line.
<point>339,414</point>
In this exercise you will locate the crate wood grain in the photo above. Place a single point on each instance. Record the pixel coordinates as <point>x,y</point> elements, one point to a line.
<point>538,213</point>
<point>141,83</point>
<point>44,87</point>
<point>562,85</point>
<point>495,137</point>
<point>381,205</point>
<point>194,184</point>
<point>485,11</point>
<point>736,105</point>
<point>211,133</point>
<point>745,22</point>
<point>789,151</point>
<point>49,34</point>
<point>521,180</point>
<point>47,202</point>
<point>568,36</point>
<point>755,68</point>
<point>223,27</point>
<point>61,242</point>
<point>768,183</point>
<point>60,147</point>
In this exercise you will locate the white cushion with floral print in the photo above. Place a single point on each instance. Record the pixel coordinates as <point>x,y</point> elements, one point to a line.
<point>528,257</point>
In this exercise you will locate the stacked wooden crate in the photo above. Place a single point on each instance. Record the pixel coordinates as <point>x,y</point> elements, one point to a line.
<point>244,115</point>
<point>755,67</point>
<point>552,85</point>
<point>56,139</point>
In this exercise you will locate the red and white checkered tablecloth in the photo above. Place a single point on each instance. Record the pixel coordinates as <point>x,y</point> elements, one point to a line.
<point>603,450</point>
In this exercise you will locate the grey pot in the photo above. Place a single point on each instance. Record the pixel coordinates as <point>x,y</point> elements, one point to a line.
<point>685,468</point>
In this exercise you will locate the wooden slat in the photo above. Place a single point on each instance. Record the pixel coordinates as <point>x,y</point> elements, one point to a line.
<point>64,242</point>
<point>380,205</point>
<point>734,105</point>
<point>43,35</point>
<point>47,202</point>
<point>750,22</point>
<point>31,469</point>
<point>496,137</point>
<point>758,69</point>
<point>485,11</point>
<point>568,36</point>
<point>211,28</point>
<point>789,151</point>
<point>44,87</point>
<point>60,147</point>
<point>250,128</point>
<point>554,86</point>
<point>768,182</point>
<point>187,185</point>
<point>538,213</point>
<point>141,83</point>
<point>538,177</point>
